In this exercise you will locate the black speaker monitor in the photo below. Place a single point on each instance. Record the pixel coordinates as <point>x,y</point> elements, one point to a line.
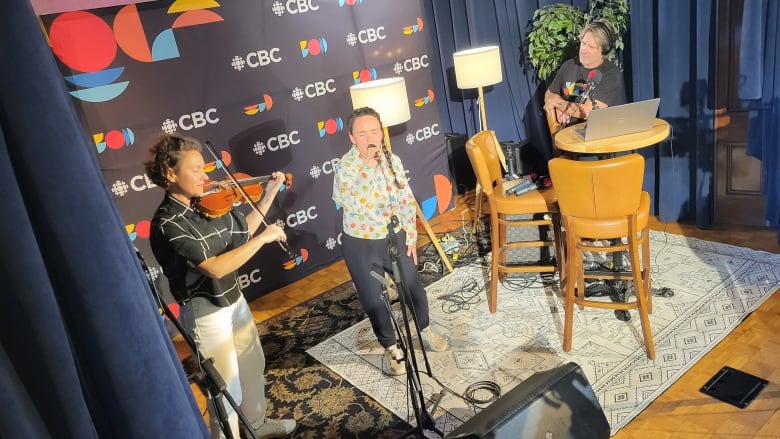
<point>558,403</point>
<point>460,165</point>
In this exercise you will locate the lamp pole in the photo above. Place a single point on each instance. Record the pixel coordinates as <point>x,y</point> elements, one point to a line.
<point>421,216</point>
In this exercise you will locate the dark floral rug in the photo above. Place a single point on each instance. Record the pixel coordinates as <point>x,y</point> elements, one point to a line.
<point>324,404</point>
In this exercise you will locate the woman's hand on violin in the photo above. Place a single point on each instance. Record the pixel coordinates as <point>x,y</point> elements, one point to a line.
<point>274,183</point>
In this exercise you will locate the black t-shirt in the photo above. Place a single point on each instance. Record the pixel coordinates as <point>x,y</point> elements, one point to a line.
<point>571,76</point>
<point>182,238</point>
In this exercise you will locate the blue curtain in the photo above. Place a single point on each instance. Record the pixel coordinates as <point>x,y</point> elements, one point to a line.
<point>666,56</point>
<point>763,97</point>
<point>513,106</point>
<point>83,350</point>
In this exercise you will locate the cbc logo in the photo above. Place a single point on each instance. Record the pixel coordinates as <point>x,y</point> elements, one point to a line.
<point>258,58</point>
<point>331,242</point>
<point>326,168</point>
<point>423,133</point>
<point>301,217</point>
<point>251,278</point>
<point>138,183</point>
<point>366,36</point>
<point>411,64</point>
<point>293,7</point>
<point>186,122</point>
<point>276,143</point>
<point>314,90</point>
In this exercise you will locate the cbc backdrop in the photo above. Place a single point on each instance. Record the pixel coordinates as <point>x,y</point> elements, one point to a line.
<point>267,83</point>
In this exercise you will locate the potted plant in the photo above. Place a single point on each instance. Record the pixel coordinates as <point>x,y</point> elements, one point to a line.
<point>553,37</point>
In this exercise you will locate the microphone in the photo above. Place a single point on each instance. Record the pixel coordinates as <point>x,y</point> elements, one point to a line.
<point>594,79</point>
<point>379,278</point>
<point>376,154</point>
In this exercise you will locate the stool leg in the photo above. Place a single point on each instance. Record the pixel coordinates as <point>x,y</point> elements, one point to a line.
<point>641,296</point>
<point>477,207</point>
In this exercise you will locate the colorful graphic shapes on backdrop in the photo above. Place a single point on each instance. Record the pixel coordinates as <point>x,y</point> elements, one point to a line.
<point>425,100</point>
<point>226,159</point>
<point>95,79</point>
<point>164,46</point>
<point>266,105</point>
<point>443,189</point>
<point>113,139</point>
<point>141,230</point>
<point>130,34</point>
<point>296,261</point>
<point>100,94</point>
<point>195,18</point>
<point>191,5</point>
<point>82,41</point>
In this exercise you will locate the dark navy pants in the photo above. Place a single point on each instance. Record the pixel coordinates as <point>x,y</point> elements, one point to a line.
<point>364,255</point>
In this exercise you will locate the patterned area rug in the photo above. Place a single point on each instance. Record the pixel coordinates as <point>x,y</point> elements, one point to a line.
<point>324,404</point>
<point>715,286</point>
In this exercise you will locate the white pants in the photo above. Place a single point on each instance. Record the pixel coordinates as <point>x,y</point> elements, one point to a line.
<point>229,336</point>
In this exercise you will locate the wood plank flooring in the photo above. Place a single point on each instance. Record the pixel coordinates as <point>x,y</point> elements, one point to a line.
<point>680,412</point>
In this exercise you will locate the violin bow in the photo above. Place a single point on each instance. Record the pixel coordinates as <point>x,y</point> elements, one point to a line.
<point>241,189</point>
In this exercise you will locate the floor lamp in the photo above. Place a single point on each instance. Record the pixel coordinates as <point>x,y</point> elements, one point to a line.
<point>388,97</point>
<point>476,68</point>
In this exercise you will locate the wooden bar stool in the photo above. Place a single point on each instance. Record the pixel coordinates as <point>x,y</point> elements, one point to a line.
<point>539,204</point>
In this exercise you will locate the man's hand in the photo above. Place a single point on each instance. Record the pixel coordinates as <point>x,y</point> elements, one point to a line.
<point>553,101</point>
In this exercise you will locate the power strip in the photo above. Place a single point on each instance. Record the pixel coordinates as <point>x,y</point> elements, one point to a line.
<point>449,244</point>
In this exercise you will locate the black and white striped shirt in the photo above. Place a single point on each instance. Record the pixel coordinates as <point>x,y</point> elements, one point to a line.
<point>182,238</point>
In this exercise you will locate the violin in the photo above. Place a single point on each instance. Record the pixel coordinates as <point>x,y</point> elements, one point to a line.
<point>220,197</point>
<point>239,188</point>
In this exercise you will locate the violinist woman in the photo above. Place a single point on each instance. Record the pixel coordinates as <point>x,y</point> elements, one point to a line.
<point>370,186</point>
<point>200,256</point>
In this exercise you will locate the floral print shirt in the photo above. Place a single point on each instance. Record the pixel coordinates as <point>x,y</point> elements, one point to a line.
<point>369,196</point>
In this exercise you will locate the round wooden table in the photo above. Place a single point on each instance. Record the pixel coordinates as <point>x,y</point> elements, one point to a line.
<point>568,140</point>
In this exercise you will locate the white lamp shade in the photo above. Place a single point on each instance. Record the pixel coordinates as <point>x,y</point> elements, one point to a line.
<point>477,67</point>
<point>386,96</point>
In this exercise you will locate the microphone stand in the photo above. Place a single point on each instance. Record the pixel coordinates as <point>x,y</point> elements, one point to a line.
<point>424,419</point>
<point>210,382</point>
<point>593,103</point>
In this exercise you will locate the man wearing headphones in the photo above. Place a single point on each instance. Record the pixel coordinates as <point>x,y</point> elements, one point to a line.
<point>566,90</point>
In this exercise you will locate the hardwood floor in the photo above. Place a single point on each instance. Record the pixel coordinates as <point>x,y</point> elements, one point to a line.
<point>680,412</point>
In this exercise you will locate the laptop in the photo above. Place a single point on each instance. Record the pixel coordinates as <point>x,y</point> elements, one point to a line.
<point>619,120</point>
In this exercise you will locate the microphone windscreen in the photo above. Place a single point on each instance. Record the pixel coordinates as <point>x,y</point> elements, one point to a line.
<point>594,77</point>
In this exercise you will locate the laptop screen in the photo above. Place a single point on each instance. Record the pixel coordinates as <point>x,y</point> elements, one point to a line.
<point>618,120</point>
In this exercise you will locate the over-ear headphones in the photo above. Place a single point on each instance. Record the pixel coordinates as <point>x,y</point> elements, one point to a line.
<point>603,26</point>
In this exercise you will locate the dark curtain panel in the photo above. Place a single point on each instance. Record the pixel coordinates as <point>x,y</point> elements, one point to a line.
<point>83,352</point>
<point>762,94</point>
<point>668,55</point>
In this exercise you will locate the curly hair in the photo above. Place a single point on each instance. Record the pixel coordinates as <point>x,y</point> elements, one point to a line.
<point>167,154</point>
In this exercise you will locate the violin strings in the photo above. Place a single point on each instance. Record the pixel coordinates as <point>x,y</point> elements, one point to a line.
<point>246,196</point>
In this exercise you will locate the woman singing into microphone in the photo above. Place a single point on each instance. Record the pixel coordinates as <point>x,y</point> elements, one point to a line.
<point>370,186</point>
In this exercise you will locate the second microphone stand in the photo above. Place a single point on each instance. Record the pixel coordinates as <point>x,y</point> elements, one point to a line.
<point>406,341</point>
<point>210,382</point>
